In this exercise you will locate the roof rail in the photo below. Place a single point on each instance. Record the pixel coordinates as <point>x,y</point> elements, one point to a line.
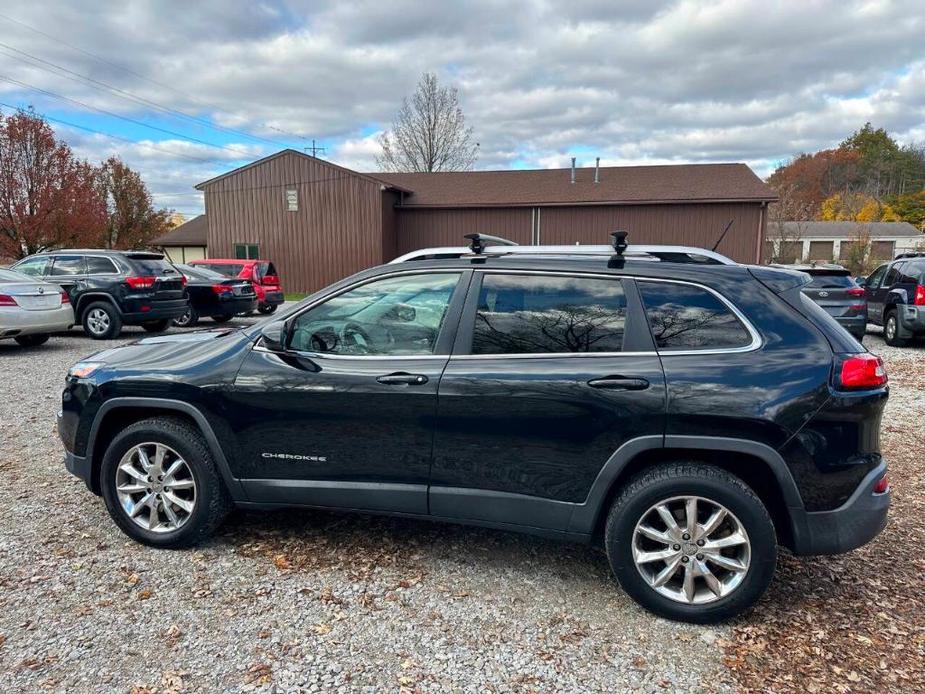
<point>667,254</point>
<point>910,254</point>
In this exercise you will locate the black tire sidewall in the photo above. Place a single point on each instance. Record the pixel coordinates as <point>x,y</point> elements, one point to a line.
<point>156,326</point>
<point>115,321</point>
<point>193,319</point>
<point>32,340</point>
<point>746,508</point>
<point>191,530</point>
<point>267,309</point>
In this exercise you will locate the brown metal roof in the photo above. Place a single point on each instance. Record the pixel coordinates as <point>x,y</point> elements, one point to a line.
<point>192,233</point>
<point>618,185</point>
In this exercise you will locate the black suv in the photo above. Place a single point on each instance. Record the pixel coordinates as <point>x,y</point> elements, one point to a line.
<point>688,412</point>
<point>109,289</point>
<point>896,298</point>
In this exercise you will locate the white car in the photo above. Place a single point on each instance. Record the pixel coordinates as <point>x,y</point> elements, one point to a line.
<point>31,309</point>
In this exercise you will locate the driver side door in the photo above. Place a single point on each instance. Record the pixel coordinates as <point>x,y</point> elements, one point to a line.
<point>343,416</point>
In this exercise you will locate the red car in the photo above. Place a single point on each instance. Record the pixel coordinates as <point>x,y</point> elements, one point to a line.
<point>261,274</point>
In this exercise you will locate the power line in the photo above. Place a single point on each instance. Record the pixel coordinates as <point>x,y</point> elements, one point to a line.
<point>115,137</point>
<point>136,74</point>
<point>121,117</point>
<point>49,66</point>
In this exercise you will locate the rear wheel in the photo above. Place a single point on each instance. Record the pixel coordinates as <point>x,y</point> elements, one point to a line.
<point>31,340</point>
<point>161,484</point>
<point>222,319</point>
<point>267,309</point>
<point>102,321</point>
<point>691,542</point>
<point>891,331</point>
<point>188,319</point>
<point>156,326</point>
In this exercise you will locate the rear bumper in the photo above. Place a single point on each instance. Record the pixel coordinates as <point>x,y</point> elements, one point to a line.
<point>17,321</point>
<point>856,522</point>
<point>232,307</point>
<point>856,325</point>
<point>273,298</point>
<point>157,310</point>
<point>912,318</point>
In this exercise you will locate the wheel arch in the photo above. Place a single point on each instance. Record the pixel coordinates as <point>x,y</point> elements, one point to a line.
<point>116,414</point>
<point>85,300</point>
<point>758,465</point>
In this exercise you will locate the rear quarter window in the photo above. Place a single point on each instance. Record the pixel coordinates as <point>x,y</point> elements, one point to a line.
<point>687,317</point>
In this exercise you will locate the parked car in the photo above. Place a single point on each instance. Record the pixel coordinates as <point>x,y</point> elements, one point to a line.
<point>261,273</point>
<point>109,289</point>
<point>832,287</point>
<point>30,310</point>
<point>214,295</point>
<point>686,411</point>
<point>895,295</point>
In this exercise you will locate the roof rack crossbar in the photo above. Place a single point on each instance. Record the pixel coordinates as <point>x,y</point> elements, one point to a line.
<point>479,242</point>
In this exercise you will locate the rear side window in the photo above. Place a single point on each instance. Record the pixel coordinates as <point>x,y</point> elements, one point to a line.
<point>98,265</point>
<point>830,281</point>
<point>68,265</point>
<point>911,273</point>
<point>684,317</point>
<point>892,276</point>
<point>533,314</point>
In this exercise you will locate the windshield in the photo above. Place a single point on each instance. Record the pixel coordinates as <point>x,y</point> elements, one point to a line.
<point>831,281</point>
<point>152,266</point>
<point>10,276</point>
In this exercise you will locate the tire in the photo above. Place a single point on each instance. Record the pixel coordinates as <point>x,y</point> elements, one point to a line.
<point>156,326</point>
<point>31,340</point>
<point>267,309</point>
<point>714,487</point>
<point>222,319</point>
<point>188,319</point>
<point>101,321</point>
<point>891,330</point>
<point>210,501</point>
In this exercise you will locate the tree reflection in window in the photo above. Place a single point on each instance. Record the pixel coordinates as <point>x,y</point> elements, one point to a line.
<point>687,317</point>
<point>532,314</point>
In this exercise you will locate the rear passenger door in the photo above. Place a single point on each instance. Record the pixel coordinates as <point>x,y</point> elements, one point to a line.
<point>550,374</point>
<point>875,293</point>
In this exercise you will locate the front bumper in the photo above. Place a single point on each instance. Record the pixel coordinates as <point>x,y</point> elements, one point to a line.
<point>912,318</point>
<point>77,465</point>
<point>19,321</point>
<point>856,522</point>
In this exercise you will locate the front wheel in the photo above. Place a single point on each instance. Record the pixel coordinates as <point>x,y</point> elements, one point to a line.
<point>891,331</point>
<point>691,542</point>
<point>267,309</point>
<point>161,484</point>
<point>31,340</point>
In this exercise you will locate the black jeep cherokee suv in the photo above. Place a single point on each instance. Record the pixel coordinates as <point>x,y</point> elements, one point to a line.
<point>688,412</point>
<point>109,289</point>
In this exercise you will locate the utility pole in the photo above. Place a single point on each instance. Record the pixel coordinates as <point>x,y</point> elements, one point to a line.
<point>314,149</point>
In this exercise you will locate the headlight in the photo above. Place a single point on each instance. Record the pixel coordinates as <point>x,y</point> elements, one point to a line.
<point>82,369</point>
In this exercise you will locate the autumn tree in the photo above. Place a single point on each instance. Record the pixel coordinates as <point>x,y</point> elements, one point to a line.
<point>429,133</point>
<point>131,220</point>
<point>48,198</point>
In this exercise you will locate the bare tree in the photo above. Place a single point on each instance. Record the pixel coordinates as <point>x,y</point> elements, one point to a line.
<point>429,133</point>
<point>787,220</point>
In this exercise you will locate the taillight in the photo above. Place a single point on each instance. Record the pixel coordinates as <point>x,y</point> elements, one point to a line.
<point>182,280</point>
<point>65,299</point>
<point>855,291</point>
<point>270,279</point>
<point>221,288</point>
<point>882,486</point>
<point>920,295</point>
<point>141,282</point>
<point>7,300</point>
<point>862,371</point>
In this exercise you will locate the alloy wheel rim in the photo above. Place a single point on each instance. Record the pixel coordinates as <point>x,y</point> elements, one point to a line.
<point>184,319</point>
<point>691,549</point>
<point>98,321</point>
<point>155,487</point>
<point>890,327</point>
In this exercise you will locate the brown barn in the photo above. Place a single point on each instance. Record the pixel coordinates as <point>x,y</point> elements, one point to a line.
<point>319,222</point>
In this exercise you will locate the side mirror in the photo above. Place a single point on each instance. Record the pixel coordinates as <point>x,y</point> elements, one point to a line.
<point>862,281</point>
<point>274,336</point>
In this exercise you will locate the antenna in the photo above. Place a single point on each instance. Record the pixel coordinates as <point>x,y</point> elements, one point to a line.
<point>723,235</point>
<point>314,149</point>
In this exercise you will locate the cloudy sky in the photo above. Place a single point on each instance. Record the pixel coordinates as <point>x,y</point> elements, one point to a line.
<point>186,90</point>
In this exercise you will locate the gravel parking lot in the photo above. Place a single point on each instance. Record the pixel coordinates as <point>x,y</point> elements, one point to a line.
<point>317,601</point>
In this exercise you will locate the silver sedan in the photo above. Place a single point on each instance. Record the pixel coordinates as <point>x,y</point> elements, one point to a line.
<point>31,309</point>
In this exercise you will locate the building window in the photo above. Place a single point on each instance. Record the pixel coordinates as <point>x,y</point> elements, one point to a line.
<point>246,251</point>
<point>882,250</point>
<point>292,199</point>
<point>790,251</point>
<point>822,250</point>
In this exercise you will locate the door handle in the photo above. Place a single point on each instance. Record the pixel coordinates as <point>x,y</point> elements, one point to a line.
<point>402,378</point>
<point>619,383</point>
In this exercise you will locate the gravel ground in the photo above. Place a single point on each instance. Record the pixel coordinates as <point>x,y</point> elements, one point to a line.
<point>294,601</point>
<point>314,601</point>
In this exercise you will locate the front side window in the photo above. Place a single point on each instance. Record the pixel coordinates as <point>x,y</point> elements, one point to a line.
<point>64,265</point>
<point>685,317</point>
<point>539,314</point>
<point>396,316</point>
<point>33,267</point>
